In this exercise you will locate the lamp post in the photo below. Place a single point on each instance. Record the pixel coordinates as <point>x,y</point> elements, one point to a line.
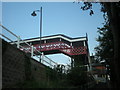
<point>34,14</point>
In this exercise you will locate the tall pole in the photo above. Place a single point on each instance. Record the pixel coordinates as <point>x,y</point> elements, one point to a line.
<point>34,14</point>
<point>40,30</point>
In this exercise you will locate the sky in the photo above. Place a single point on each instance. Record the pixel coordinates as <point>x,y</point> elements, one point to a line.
<point>58,18</point>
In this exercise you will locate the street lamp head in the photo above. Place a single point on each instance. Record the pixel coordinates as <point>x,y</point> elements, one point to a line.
<point>34,14</point>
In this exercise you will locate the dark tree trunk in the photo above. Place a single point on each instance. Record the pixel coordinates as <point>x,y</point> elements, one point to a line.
<point>113,12</point>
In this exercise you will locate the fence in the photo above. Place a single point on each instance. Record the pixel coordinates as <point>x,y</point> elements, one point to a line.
<point>15,40</point>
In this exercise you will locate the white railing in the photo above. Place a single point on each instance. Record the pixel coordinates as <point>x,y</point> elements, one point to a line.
<point>16,41</point>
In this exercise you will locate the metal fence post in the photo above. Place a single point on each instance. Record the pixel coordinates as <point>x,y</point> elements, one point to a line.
<point>32,49</point>
<point>50,63</point>
<point>18,42</point>
<point>42,58</point>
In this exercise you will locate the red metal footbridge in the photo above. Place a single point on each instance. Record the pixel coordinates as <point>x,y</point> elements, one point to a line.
<point>76,48</point>
<point>58,44</point>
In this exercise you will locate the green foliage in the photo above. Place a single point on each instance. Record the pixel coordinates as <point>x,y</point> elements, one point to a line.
<point>105,49</point>
<point>77,76</point>
<point>88,6</point>
<point>74,79</point>
<point>55,78</point>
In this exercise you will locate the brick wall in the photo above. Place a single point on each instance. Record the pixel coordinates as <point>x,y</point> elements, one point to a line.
<point>18,67</point>
<point>12,65</point>
<point>38,70</point>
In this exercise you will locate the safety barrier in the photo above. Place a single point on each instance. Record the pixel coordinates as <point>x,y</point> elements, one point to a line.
<point>8,36</point>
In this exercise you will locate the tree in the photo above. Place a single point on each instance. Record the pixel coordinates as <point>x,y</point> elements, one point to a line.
<point>113,13</point>
<point>105,51</point>
<point>112,10</point>
<point>77,76</point>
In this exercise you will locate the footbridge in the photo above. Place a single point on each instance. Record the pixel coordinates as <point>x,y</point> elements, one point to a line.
<point>76,48</point>
<point>58,44</point>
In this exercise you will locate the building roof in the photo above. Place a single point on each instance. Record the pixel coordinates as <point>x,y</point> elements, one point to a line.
<point>57,36</point>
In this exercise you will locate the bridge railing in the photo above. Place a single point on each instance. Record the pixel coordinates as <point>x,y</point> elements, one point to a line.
<point>15,40</point>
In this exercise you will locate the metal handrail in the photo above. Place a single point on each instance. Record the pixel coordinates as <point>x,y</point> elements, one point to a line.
<point>6,37</point>
<point>8,31</point>
<point>18,43</point>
